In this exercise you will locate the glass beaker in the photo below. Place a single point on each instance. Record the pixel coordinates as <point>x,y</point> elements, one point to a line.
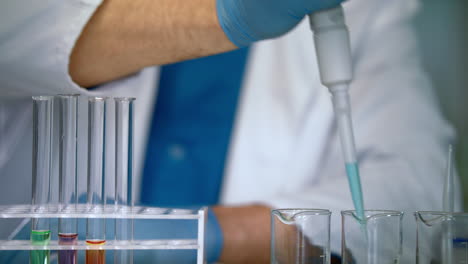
<point>300,236</point>
<point>442,237</point>
<point>376,239</point>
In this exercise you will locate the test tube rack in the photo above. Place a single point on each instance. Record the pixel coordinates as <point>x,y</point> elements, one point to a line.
<point>81,211</point>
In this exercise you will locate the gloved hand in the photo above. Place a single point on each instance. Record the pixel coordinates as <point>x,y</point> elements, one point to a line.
<point>246,21</point>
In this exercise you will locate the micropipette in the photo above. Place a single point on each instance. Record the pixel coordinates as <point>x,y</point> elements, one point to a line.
<point>333,50</point>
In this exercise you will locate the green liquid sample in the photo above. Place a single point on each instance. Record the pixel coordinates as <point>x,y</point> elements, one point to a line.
<point>40,238</point>
<point>352,170</point>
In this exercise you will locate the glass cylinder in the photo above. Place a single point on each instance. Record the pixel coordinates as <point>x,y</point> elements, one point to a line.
<point>96,228</point>
<point>376,239</point>
<point>41,170</point>
<point>68,235</point>
<point>442,237</point>
<point>123,174</point>
<point>300,236</point>
<point>42,143</point>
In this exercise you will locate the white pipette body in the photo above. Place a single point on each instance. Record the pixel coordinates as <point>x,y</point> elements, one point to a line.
<point>332,46</point>
<point>333,51</point>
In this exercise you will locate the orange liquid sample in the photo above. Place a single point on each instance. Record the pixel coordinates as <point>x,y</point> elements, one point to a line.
<point>95,256</point>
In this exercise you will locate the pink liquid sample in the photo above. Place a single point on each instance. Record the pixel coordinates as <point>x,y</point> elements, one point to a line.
<point>68,256</point>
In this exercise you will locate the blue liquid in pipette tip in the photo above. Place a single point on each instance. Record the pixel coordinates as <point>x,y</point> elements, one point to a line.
<point>352,170</point>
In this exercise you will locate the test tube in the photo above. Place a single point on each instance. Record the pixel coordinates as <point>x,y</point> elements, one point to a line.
<point>68,227</point>
<point>96,228</point>
<point>42,139</point>
<point>123,172</point>
<point>448,206</point>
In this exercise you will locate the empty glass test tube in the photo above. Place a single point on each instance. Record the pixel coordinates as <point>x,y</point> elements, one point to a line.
<point>300,236</point>
<point>376,239</point>
<point>96,227</point>
<point>42,143</point>
<point>68,235</point>
<point>123,175</point>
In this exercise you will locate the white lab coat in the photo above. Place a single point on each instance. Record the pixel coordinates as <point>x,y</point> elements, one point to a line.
<point>284,150</point>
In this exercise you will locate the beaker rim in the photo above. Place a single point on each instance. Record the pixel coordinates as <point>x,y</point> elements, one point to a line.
<point>374,212</point>
<point>68,95</point>
<point>124,99</point>
<point>42,97</point>
<point>440,213</point>
<point>97,98</point>
<point>314,211</point>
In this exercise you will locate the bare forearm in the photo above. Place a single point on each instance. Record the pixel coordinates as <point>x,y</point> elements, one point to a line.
<point>246,233</point>
<point>125,36</point>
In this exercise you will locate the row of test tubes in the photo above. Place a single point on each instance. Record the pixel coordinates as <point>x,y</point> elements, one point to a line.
<point>43,109</point>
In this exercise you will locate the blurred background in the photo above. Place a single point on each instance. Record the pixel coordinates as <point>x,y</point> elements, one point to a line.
<point>442,29</point>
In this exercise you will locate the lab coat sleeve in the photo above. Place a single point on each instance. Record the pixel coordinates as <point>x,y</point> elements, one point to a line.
<point>401,136</point>
<point>36,40</point>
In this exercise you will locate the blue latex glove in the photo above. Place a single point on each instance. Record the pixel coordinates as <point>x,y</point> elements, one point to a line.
<point>246,21</point>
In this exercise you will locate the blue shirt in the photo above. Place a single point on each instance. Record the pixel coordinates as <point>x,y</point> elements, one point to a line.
<point>191,130</point>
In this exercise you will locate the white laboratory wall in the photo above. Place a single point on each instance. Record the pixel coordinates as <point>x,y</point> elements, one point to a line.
<point>442,28</point>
